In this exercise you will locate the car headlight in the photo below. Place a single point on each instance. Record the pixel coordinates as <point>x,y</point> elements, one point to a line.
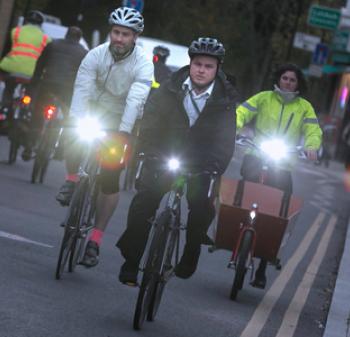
<point>89,129</point>
<point>274,148</point>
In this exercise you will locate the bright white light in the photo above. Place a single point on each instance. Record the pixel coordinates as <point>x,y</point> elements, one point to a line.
<point>274,148</point>
<point>89,129</point>
<point>173,164</point>
<point>252,215</point>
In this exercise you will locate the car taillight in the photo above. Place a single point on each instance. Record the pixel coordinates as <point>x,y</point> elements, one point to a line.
<point>26,100</point>
<point>50,112</point>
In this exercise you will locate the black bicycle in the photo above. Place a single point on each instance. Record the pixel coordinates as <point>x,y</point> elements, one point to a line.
<point>81,213</point>
<point>162,251</point>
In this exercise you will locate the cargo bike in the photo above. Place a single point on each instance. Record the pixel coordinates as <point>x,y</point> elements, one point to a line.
<point>254,220</point>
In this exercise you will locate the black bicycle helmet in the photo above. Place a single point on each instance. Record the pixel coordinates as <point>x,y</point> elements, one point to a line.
<point>161,51</point>
<point>207,46</point>
<point>35,17</point>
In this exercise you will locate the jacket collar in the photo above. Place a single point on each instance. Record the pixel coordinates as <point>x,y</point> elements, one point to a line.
<point>221,88</point>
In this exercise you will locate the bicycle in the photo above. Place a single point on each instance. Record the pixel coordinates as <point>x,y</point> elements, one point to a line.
<point>162,249</point>
<point>81,213</point>
<point>18,118</point>
<point>49,140</point>
<point>251,225</point>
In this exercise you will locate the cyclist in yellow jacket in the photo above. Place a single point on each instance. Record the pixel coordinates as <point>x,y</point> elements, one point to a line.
<point>283,113</point>
<point>28,42</point>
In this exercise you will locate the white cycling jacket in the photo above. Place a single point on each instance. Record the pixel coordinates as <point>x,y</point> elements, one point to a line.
<point>120,88</point>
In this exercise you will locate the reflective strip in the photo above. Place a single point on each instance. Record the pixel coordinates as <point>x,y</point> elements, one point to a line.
<point>148,83</point>
<point>24,53</point>
<point>249,107</point>
<point>29,46</point>
<point>311,120</point>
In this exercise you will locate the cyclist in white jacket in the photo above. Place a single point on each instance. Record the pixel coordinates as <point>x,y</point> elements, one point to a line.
<point>113,82</point>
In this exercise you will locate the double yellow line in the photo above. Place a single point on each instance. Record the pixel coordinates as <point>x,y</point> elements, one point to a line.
<point>291,317</point>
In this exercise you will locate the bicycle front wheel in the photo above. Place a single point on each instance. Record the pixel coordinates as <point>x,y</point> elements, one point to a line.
<point>153,268</point>
<point>242,261</point>
<point>71,230</point>
<point>162,279</point>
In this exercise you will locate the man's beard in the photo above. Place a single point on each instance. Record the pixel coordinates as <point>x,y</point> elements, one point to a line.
<point>120,53</point>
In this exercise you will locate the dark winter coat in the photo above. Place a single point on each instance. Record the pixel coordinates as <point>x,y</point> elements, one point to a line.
<point>165,128</point>
<point>59,63</point>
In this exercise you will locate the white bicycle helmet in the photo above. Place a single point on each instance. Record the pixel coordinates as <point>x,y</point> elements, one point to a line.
<point>127,17</point>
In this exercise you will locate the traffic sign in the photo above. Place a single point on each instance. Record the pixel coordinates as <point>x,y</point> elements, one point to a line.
<point>323,17</point>
<point>137,4</point>
<point>341,58</point>
<point>341,41</point>
<point>320,54</point>
<point>305,41</point>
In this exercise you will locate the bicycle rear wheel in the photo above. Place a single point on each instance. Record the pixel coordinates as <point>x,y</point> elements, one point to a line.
<point>162,279</point>
<point>152,270</point>
<point>242,260</point>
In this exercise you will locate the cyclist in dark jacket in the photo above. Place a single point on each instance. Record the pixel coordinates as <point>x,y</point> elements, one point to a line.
<point>161,71</point>
<point>54,76</point>
<point>191,115</point>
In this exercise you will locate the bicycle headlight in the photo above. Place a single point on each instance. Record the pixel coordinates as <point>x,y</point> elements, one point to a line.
<point>89,129</point>
<point>173,164</point>
<point>276,149</point>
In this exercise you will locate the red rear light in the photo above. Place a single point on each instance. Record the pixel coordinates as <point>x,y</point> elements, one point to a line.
<point>26,100</point>
<point>50,112</point>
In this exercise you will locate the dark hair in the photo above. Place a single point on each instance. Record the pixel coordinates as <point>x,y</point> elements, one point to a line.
<point>35,17</point>
<point>302,86</point>
<point>74,34</point>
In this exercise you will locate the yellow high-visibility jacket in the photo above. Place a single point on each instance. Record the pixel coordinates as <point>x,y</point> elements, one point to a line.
<point>275,118</point>
<point>28,42</point>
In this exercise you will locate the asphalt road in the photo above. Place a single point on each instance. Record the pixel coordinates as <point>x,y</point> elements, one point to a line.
<point>92,303</point>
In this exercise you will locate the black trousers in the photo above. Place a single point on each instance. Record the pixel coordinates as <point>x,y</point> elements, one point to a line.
<point>145,204</point>
<point>278,178</point>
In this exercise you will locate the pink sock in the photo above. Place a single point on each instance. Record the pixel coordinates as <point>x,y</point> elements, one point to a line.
<point>72,177</point>
<point>96,236</point>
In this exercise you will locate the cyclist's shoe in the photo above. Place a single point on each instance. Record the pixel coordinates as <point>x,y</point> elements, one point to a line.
<point>90,258</point>
<point>128,274</point>
<point>188,263</point>
<point>27,154</point>
<point>259,280</point>
<point>65,193</point>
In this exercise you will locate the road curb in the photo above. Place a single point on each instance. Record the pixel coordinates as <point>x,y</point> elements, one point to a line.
<point>339,312</point>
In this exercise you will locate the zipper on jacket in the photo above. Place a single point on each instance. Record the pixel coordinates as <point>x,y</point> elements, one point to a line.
<point>280,121</point>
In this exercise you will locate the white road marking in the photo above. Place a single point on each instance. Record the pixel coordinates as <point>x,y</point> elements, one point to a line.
<point>262,312</point>
<point>291,317</point>
<point>22,239</point>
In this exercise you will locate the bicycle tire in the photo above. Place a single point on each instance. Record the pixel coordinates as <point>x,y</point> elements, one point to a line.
<point>70,232</point>
<point>152,269</point>
<point>161,280</point>
<point>13,152</point>
<point>241,266</point>
<point>88,208</point>
<point>42,158</point>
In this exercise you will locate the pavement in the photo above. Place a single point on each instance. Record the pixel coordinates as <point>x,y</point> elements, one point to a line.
<point>338,320</point>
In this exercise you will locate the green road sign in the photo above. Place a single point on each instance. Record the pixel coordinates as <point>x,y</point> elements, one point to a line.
<point>323,17</point>
<point>342,58</point>
<point>340,41</point>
